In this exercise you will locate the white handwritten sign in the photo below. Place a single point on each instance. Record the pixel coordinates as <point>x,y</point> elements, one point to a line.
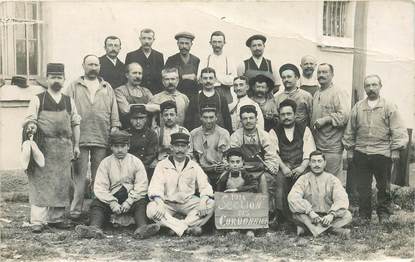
<point>241,210</point>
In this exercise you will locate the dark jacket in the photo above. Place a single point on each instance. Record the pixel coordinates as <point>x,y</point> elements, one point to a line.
<point>144,145</point>
<point>251,184</point>
<point>152,67</point>
<point>114,75</point>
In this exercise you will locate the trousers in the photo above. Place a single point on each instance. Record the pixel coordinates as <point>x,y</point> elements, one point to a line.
<point>44,215</point>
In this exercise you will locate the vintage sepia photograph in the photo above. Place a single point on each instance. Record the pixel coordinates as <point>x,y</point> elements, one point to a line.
<point>275,130</point>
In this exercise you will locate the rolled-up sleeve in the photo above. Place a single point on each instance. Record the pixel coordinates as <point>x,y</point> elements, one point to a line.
<point>102,183</point>
<point>349,136</point>
<point>75,117</point>
<point>122,102</point>
<point>296,200</point>
<point>270,149</point>
<point>309,145</point>
<point>140,186</point>
<point>340,116</point>
<point>32,111</point>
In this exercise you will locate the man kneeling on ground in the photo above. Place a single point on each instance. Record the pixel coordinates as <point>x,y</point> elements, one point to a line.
<point>173,187</point>
<point>319,202</point>
<point>120,187</point>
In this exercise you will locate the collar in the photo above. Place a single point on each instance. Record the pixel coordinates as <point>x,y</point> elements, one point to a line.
<point>291,92</point>
<point>102,83</point>
<point>186,161</point>
<point>114,61</point>
<point>380,104</point>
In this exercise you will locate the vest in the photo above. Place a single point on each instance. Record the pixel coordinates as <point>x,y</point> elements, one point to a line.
<point>265,65</point>
<point>47,103</point>
<point>291,152</point>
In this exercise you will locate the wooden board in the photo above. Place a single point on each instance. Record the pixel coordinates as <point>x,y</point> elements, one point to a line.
<point>241,210</point>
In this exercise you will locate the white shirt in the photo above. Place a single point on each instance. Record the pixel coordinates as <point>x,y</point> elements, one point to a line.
<point>113,60</point>
<point>372,103</point>
<point>92,86</point>
<point>224,68</point>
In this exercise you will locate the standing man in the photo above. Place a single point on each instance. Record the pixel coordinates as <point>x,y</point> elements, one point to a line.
<point>144,140</point>
<point>259,150</point>
<point>187,64</point>
<point>173,189</point>
<point>262,94</point>
<point>150,60</point>
<point>240,85</point>
<point>257,64</point>
<point>295,143</point>
<point>223,65</point>
<point>289,75</point>
<point>133,92</point>
<point>112,69</point>
<point>95,100</point>
<point>208,96</point>
<point>329,119</point>
<point>210,142</point>
<point>373,138</point>
<point>170,82</point>
<point>54,121</point>
<point>308,80</point>
<point>319,202</point>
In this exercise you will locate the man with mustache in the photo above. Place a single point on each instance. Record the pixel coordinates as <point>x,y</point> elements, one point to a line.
<point>295,143</point>
<point>172,190</point>
<point>210,96</point>
<point>330,113</point>
<point>262,94</point>
<point>170,78</point>
<point>257,64</point>
<point>308,80</point>
<point>96,103</point>
<point>150,60</point>
<point>223,65</point>
<point>290,75</point>
<point>112,69</point>
<point>54,123</point>
<point>186,63</point>
<point>210,142</point>
<point>133,92</point>
<point>240,86</point>
<point>373,138</point>
<point>319,202</point>
<point>144,140</point>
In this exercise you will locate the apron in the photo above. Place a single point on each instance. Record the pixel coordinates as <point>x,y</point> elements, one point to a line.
<point>49,186</point>
<point>235,182</point>
<point>125,121</point>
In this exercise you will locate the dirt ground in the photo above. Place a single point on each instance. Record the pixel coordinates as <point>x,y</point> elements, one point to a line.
<point>369,242</point>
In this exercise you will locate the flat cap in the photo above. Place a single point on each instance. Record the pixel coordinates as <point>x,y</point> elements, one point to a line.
<point>55,68</point>
<point>180,137</point>
<point>120,137</point>
<point>137,111</point>
<point>255,37</point>
<point>292,67</point>
<point>185,35</point>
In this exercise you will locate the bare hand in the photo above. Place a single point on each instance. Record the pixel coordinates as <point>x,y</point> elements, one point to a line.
<point>160,212</point>
<point>297,172</point>
<point>125,207</point>
<point>220,168</point>
<point>116,208</point>
<point>114,129</point>
<point>286,172</point>
<point>321,122</point>
<point>327,219</point>
<point>231,190</point>
<point>31,128</point>
<point>395,155</point>
<point>350,155</point>
<point>315,218</point>
<point>202,208</point>
<point>76,152</point>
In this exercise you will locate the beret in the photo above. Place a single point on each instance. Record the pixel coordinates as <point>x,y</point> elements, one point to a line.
<point>292,67</point>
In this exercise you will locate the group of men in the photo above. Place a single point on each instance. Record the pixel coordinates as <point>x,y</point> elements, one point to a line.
<point>162,137</point>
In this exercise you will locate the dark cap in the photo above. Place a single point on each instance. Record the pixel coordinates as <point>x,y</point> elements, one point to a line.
<point>180,137</point>
<point>255,37</point>
<point>167,105</point>
<point>55,69</point>
<point>137,111</point>
<point>261,78</point>
<point>248,109</point>
<point>292,67</point>
<point>120,137</point>
<point>19,81</point>
<point>208,108</point>
<point>234,151</point>
<point>185,35</point>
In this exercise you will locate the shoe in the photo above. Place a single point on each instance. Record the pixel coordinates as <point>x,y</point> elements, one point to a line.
<point>234,233</point>
<point>342,232</point>
<point>250,234</point>
<point>170,233</point>
<point>300,231</point>
<point>194,231</point>
<point>147,231</point>
<point>37,229</point>
<point>89,232</point>
<point>61,225</point>
<point>384,219</point>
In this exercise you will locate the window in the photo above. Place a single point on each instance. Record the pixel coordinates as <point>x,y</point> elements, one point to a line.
<point>336,25</point>
<point>20,31</point>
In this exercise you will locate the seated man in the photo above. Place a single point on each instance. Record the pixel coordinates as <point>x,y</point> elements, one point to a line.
<point>173,189</point>
<point>319,202</point>
<point>209,142</point>
<point>236,179</point>
<point>120,187</point>
<point>144,140</point>
<point>168,126</point>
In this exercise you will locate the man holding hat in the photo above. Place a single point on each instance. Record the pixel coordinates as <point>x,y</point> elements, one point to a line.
<point>187,63</point>
<point>120,187</point>
<point>290,75</point>
<point>257,64</point>
<point>144,140</point>
<point>173,189</point>
<point>133,92</point>
<point>54,121</point>
<point>210,142</point>
<point>262,94</point>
